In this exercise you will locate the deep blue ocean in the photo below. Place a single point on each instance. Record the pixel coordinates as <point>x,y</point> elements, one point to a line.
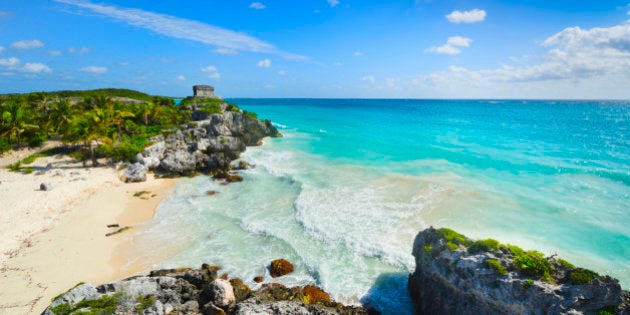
<point>350,184</point>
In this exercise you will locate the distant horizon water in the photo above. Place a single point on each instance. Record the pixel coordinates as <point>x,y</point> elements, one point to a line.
<point>344,192</point>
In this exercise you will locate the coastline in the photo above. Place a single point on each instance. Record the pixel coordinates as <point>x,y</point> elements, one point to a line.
<point>54,239</point>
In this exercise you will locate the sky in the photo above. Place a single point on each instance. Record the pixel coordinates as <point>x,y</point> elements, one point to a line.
<point>529,49</point>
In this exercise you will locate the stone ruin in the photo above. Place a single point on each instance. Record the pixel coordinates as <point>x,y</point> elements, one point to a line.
<point>203,91</point>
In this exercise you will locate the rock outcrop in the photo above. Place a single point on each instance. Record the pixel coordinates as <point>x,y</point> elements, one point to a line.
<point>194,291</point>
<point>207,144</point>
<point>455,275</point>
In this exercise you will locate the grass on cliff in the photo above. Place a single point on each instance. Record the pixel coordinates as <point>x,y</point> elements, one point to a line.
<point>530,263</point>
<point>144,302</point>
<point>104,306</point>
<point>581,276</point>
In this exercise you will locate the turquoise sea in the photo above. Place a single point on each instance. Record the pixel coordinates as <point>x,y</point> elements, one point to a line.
<point>350,184</point>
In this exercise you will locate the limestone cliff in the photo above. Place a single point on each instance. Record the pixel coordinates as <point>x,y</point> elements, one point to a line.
<point>456,275</point>
<point>208,143</point>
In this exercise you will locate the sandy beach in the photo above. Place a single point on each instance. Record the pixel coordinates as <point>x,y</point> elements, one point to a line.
<point>52,240</point>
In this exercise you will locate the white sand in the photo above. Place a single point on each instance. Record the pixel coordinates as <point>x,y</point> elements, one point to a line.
<point>51,240</point>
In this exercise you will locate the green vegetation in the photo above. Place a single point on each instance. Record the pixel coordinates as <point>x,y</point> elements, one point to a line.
<point>515,249</point>
<point>607,310</point>
<point>111,123</point>
<point>4,146</point>
<point>453,239</point>
<point>565,263</point>
<point>531,263</point>
<point>103,122</point>
<point>31,158</point>
<point>250,114</point>
<point>103,306</point>
<point>61,294</point>
<point>428,250</point>
<point>582,276</point>
<point>528,284</point>
<point>483,245</point>
<point>534,264</point>
<point>497,266</point>
<point>145,303</point>
<point>15,167</point>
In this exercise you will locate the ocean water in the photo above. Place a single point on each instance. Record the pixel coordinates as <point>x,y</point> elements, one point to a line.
<point>344,192</point>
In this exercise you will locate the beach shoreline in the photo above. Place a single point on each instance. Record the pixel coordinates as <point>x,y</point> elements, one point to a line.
<point>54,239</point>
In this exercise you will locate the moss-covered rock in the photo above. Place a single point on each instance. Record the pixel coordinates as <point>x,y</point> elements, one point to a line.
<point>280,267</point>
<point>241,290</point>
<point>313,294</point>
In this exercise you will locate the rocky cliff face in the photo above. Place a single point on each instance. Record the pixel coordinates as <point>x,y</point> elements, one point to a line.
<point>208,143</point>
<point>194,291</point>
<point>455,275</point>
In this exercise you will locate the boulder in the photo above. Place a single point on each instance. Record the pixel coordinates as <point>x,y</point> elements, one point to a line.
<point>45,186</point>
<point>179,162</point>
<point>134,173</point>
<point>241,290</point>
<point>221,293</point>
<point>280,267</point>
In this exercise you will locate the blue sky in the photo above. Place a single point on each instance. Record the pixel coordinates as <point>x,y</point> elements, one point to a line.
<point>320,48</point>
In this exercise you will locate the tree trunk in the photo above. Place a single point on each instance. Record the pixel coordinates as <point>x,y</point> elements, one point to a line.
<point>93,155</point>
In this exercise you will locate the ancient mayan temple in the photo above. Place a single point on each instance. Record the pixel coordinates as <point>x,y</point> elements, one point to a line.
<point>203,91</point>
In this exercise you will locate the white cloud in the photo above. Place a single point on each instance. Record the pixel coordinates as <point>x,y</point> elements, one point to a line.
<point>393,83</point>
<point>36,68</point>
<point>9,62</point>
<point>5,14</point>
<point>226,51</point>
<point>333,3</point>
<point>358,54</point>
<point>369,78</point>
<point>55,53</point>
<point>82,50</point>
<point>459,41</point>
<point>264,63</point>
<point>445,50</point>
<point>209,69</point>
<point>450,48</point>
<point>94,70</point>
<point>471,16</point>
<point>180,78</point>
<point>282,72</point>
<point>182,28</point>
<point>124,63</point>
<point>27,44</point>
<point>213,72</point>
<point>580,63</point>
<point>1,49</point>
<point>257,6</point>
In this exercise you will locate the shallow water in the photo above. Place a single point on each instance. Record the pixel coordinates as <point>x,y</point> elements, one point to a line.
<point>350,184</point>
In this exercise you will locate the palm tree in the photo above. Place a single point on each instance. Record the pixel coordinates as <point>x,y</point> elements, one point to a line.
<point>117,117</point>
<point>13,121</point>
<point>60,116</point>
<point>87,129</point>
